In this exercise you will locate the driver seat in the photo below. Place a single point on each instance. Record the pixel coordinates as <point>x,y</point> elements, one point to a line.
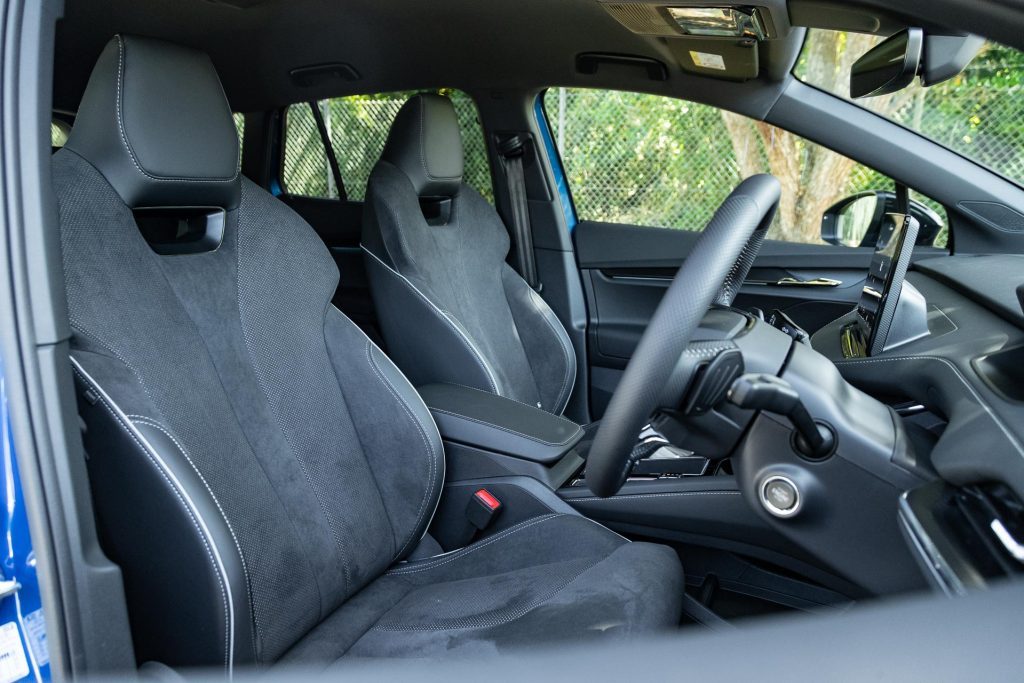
<point>450,308</point>
<point>262,474</point>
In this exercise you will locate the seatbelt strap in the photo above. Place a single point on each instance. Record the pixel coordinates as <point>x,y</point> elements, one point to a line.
<point>512,149</point>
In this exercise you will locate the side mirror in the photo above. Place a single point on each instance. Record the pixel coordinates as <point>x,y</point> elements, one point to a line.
<point>889,66</point>
<point>856,221</point>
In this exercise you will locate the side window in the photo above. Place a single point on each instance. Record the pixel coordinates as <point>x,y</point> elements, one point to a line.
<point>239,125</point>
<point>662,162</point>
<point>358,128</point>
<point>59,131</point>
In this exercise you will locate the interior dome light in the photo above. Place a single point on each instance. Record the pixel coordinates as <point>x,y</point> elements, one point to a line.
<point>728,22</point>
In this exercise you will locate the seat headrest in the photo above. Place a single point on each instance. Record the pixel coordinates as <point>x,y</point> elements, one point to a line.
<point>425,144</point>
<point>155,122</point>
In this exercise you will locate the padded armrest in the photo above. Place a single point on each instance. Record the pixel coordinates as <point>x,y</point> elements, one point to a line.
<point>494,423</point>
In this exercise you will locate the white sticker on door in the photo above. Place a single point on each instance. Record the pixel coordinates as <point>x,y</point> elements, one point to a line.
<point>13,664</point>
<point>707,60</point>
<point>35,634</point>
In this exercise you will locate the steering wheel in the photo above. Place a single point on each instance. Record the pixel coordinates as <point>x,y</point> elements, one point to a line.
<point>712,274</point>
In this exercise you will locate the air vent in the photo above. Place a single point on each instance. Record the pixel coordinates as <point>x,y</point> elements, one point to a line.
<point>643,19</point>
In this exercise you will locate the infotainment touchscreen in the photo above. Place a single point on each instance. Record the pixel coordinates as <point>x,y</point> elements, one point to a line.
<point>881,291</point>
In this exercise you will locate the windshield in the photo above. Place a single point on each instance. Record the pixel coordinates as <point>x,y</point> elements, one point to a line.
<point>979,113</point>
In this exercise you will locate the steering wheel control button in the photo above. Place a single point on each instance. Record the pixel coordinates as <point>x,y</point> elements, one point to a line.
<point>780,496</point>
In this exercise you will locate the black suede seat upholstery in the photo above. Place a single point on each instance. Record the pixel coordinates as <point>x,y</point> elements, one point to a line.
<point>261,471</point>
<point>450,308</point>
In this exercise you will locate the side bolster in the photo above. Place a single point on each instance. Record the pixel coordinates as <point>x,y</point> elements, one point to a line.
<point>426,343</point>
<point>185,578</point>
<point>546,343</point>
<point>395,429</point>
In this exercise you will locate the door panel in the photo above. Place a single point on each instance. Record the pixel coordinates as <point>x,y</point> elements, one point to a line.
<point>626,269</point>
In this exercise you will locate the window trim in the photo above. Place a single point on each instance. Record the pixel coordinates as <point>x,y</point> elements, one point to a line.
<point>555,163</point>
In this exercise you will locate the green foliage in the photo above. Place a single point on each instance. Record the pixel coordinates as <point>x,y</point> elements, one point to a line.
<point>979,112</point>
<point>663,162</point>
<point>642,159</point>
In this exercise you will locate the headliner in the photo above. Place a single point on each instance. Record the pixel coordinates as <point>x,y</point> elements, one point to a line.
<point>474,45</point>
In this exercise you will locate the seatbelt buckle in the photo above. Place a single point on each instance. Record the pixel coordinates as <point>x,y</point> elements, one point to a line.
<point>482,508</point>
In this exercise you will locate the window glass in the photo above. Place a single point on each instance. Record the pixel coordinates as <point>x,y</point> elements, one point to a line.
<point>979,113</point>
<point>239,125</point>
<point>58,133</point>
<point>658,161</point>
<point>358,128</point>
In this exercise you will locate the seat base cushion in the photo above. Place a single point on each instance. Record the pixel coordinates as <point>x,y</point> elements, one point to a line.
<point>552,578</point>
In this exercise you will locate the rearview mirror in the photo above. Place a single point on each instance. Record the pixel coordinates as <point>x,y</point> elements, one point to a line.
<point>947,56</point>
<point>889,66</point>
<point>856,221</point>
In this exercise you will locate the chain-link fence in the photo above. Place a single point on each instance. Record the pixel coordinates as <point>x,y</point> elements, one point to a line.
<point>358,128</point>
<point>978,113</point>
<point>659,161</point>
<point>663,162</point>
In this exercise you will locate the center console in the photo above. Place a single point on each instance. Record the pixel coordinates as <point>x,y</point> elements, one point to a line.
<point>487,435</point>
<point>533,462</point>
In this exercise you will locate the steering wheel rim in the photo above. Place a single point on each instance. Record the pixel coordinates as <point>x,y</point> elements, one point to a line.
<point>712,273</point>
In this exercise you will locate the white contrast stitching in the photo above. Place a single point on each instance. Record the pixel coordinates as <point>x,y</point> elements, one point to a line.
<point>372,198</point>
<point>423,153</point>
<point>451,323</point>
<point>128,147</point>
<point>423,436</point>
<point>189,507</point>
<point>250,346</point>
<point>443,468</point>
<point>570,365</point>
<point>142,419</point>
<point>458,554</point>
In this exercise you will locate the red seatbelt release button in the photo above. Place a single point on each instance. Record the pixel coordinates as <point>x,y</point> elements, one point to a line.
<point>483,507</point>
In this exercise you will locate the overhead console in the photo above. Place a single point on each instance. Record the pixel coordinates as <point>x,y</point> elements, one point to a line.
<point>705,38</point>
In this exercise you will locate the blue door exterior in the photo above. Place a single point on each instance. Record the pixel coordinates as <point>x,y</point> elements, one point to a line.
<point>23,651</point>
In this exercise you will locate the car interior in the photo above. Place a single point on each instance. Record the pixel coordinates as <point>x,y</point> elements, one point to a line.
<point>392,330</point>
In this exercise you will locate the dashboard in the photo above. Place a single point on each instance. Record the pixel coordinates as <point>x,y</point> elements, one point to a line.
<point>965,383</point>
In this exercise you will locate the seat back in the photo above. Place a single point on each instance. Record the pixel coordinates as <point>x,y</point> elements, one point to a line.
<point>254,459</point>
<point>450,307</point>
